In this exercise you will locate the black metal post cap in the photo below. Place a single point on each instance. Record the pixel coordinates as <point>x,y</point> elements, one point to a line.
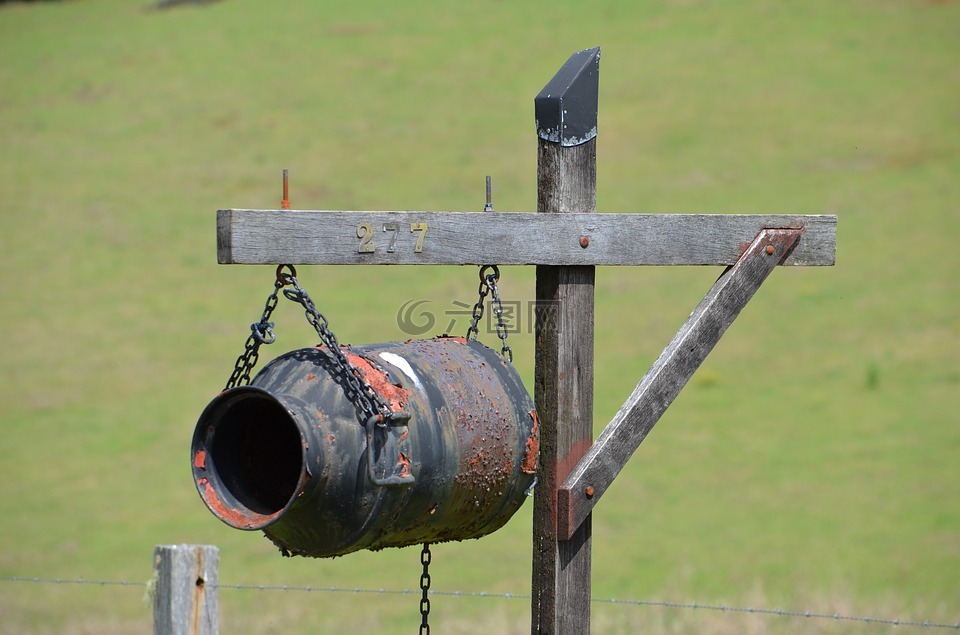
<point>566,108</point>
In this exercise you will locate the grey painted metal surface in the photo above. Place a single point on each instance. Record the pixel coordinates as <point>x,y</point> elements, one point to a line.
<point>290,456</point>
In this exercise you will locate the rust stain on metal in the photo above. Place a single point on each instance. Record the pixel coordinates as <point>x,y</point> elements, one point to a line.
<point>395,395</point>
<point>529,463</point>
<point>229,515</point>
<point>404,462</point>
<point>200,460</point>
<point>310,376</point>
<point>285,202</point>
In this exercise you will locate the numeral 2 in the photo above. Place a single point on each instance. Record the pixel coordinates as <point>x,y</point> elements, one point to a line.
<point>367,246</point>
<point>365,234</point>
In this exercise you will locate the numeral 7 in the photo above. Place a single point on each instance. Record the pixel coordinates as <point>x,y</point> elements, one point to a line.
<point>395,228</point>
<point>422,228</point>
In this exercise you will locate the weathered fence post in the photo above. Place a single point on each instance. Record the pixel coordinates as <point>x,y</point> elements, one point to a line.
<point>566,111</point>
<point>185,596</point>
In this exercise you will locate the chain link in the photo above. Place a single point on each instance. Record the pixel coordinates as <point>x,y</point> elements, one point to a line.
<point>260,333</point>
<point>473,331</point>
<point>425,590</point>
<point>497,305</point>
<point>488,284</point>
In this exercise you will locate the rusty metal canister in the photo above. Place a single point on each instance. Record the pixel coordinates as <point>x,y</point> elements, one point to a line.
<point>289,454</point>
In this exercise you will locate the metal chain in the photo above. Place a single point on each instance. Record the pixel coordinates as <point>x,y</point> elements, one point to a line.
<point>368,402</point>
<point>371,407</point>
<point>488,284</point>
<point>497,306</point>
<point>260,333</point>
<point>425,590</point>
<point>473,331</point>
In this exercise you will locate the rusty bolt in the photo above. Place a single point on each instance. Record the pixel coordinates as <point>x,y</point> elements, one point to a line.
<point>285,203</point>
<point>584,241</point>
<point>770,250</point>
<point>589,491</point>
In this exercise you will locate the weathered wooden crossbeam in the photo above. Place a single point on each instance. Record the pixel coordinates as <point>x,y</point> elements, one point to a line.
<point>508,238</point>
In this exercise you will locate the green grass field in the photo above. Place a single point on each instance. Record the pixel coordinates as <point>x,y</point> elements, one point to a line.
<point>812,462</point>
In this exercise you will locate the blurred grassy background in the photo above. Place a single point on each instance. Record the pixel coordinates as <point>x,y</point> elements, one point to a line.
<point>812,461</point>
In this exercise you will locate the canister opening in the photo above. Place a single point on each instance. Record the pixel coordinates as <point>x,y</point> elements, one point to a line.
<point>255,451</point>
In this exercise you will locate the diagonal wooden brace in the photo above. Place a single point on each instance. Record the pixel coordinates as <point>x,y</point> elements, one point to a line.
<point>587,482</point>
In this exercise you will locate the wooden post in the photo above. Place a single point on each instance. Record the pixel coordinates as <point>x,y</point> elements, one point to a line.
<point>185,596</point>
<point>563,391</point>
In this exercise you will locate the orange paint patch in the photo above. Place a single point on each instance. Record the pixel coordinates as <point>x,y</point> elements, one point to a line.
<point>529,463</point>
<point>395,396</point>
<point>233,517</point>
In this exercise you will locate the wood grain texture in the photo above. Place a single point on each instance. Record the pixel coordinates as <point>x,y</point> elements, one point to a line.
<point>667,377</point>
<point>511,238</point>
<point>185,596</point>
<point>563,391</point>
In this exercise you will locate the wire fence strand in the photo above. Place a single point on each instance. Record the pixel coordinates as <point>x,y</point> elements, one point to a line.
<point>516,596</point>
<point>72,581</point>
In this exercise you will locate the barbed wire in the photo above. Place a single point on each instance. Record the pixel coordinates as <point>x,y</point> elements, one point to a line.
<point>71,581</point>
<point>782,613</point>
<point>514,596</point>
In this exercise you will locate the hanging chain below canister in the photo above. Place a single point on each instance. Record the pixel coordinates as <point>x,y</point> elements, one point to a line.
<point>425,590</point>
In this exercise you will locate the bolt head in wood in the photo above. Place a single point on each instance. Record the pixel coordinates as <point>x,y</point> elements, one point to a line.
<point>770,250</point>
<point>584,241</point>
<point>589,491</point>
